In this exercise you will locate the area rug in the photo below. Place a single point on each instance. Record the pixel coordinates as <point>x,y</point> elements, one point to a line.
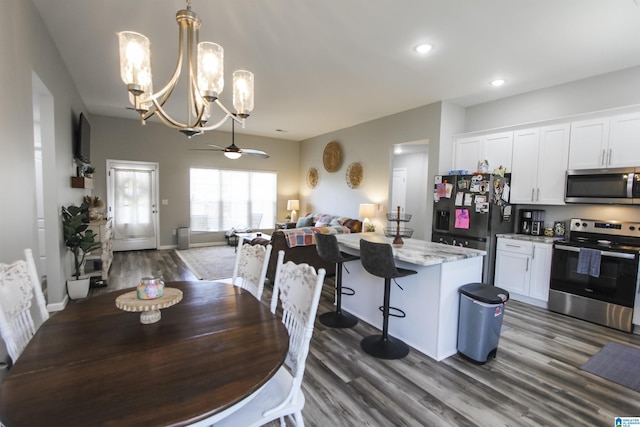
<point>618,363</point>
<point>209,262</point>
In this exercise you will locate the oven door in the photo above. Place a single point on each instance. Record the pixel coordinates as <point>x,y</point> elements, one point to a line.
<point>617,281</point>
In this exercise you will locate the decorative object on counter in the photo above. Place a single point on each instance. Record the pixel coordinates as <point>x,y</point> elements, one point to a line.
<point>548,232</point>
<point>483,166</point>
<point>312,178</point>
<point>331,157</point>
<point>149,309</point>
<point>95,205</point>
<point>458,172</point>
<point>398,232</point>
<point>366,211</point>
<point>150,288</point>
<point>80,241</point>
<point>500,171</point>
<point>354,175</point>
<point>293,206</point>
<point>559,228</point>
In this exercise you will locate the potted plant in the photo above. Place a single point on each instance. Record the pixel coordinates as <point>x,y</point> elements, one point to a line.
<point>88,171</point>
<point>80,241</point>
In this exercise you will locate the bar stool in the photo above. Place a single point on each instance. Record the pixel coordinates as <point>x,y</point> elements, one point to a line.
<point>328,250</point>
<point>377,259</point>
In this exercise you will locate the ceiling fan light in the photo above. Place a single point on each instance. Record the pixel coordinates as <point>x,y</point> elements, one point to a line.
<point>243,92</point>
<point>210,70</point>
<point>135,64</point>
<point>232,155</point>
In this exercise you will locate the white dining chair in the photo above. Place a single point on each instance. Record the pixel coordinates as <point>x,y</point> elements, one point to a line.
<point>250,269</point>
<point>19,288</point>
<point>298,288</point>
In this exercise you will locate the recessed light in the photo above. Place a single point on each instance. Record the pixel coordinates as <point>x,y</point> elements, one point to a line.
<point>497,82</point>
<point>423,48</point>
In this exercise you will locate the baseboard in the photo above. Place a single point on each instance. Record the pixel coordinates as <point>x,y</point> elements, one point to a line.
<point>58,306</point>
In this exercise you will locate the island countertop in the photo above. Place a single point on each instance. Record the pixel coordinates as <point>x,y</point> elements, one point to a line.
<point>413,251</point>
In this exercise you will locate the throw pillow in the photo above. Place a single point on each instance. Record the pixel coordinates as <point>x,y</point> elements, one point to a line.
<point>305,221</point>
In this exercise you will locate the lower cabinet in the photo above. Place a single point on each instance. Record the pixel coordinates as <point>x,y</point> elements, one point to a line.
<point>523,268</point>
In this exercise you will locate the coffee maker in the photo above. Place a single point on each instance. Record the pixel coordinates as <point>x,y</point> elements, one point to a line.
<point>531,222</point>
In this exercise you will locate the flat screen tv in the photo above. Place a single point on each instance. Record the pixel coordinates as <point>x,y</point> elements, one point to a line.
<point>82,144</point>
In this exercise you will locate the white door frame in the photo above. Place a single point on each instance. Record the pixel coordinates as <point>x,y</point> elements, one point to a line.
<point>130,164</point>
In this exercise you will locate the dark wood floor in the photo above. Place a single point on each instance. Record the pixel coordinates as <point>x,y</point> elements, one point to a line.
<point>534,381</point>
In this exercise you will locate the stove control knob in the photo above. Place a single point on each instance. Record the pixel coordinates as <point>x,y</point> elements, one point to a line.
<point>577,224</point>
<point>584,224</point>
<point>632,228</point>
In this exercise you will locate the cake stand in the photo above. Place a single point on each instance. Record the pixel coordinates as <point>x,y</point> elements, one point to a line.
<point>149,309</point>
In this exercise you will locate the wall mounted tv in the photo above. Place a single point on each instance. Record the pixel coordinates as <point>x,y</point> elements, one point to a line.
<point>82,143</point>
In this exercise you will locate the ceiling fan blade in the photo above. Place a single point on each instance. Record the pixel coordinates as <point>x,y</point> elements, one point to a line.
<point>255,153</point>
<point>216,146</point>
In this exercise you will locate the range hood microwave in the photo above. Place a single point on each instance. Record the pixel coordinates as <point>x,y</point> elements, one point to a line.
<point>619,186</point>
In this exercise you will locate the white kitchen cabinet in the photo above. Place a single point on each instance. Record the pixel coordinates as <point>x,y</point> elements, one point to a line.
<point>523,268</point>
<point>606,142</point>
<point>496,148</point>
<point>540,157</point>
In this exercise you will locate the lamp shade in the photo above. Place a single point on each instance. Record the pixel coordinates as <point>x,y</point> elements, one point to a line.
<point>293,205</point>
<point>367,210</point>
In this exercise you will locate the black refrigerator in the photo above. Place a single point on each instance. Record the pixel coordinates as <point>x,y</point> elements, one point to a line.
<point>470,210</point>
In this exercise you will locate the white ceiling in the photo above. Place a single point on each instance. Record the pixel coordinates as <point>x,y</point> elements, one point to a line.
<point>323,65</point>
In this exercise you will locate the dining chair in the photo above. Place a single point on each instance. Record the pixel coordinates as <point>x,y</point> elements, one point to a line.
<point>250,269</point>
<point>297,287</point>
<point>19,287</point>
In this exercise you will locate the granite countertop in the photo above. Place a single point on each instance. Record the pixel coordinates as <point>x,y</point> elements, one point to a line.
<point>413,251</point>
<point>529,238</point>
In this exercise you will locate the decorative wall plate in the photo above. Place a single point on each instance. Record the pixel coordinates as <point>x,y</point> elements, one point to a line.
<point>331,157</point>
<point>312,177</point>
<point>354,175</point>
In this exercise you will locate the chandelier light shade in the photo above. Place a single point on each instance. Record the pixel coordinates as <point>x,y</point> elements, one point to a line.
<point>293,206</point>
<point>205,67</point>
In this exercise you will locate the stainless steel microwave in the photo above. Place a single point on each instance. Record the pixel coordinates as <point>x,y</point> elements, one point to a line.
<point>620,186</point>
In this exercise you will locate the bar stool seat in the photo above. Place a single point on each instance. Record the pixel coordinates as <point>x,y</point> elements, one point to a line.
<point>328,250</point>
<point>377,259</point>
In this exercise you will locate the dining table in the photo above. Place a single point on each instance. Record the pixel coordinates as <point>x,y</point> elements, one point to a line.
<point>94,364</point>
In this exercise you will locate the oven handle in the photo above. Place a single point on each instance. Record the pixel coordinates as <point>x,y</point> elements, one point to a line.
<point>602,253</point>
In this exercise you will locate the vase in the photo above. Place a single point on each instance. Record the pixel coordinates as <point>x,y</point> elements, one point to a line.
<point>78,288</point>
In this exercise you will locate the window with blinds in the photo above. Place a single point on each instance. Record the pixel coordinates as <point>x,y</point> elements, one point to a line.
<point>224,199</point>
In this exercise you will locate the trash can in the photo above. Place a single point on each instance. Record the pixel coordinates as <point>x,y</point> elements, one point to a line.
<point>183,238</point>
<point>480,320</point>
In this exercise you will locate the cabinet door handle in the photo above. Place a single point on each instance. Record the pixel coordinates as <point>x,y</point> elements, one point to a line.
<point>527,265</point>
<point>537,195</point>
<point>603,161</point>
<point>609,159</point>
<point>533,190</point>
<point>533,254</point>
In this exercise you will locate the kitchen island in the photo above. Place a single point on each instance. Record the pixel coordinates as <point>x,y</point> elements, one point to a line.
<point>430,298</point>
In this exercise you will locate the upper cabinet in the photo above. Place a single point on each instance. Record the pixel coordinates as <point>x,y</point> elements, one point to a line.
<point>496,148</point>
<point>539,165</point>
<point>607,142</point>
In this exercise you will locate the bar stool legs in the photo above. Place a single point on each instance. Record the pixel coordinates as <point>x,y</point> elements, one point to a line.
<point>383,346</point>
<point>339,319</point>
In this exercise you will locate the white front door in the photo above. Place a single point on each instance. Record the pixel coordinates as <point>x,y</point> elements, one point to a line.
<point>132,197</point>
<point>399,190</point>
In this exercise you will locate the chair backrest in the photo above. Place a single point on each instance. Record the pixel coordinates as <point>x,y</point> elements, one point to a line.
<point>377,259</point>
<point>19,286</point>
<point>250,269</point>
<point>298,288</point>
<point>327,247</point>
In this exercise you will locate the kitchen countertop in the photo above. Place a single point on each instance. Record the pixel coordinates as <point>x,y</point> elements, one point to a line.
<point>413,251</point>
<point>529,238</point>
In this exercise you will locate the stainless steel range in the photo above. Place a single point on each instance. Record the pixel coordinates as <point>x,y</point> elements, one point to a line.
<point>594,273</point>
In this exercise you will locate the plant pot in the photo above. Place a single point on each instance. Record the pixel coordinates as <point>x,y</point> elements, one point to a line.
<point>78,288</point>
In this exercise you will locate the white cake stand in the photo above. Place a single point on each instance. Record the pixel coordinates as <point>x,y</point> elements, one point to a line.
<point>149,309</point>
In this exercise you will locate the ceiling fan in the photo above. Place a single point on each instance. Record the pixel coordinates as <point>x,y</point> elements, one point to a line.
<point>233,151</point>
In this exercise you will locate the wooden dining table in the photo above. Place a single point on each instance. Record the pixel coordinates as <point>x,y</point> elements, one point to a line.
<point>96,365</point>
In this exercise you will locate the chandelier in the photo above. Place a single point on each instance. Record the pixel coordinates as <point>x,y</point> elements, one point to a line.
<point>205,64</point>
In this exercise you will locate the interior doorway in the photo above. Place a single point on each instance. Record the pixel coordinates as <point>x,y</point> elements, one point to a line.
<point>132,194</point>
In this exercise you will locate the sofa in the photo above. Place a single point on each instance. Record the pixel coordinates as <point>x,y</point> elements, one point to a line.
<point>298,243</point>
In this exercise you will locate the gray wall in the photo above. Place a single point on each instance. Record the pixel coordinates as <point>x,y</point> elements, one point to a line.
<point>121,139</point>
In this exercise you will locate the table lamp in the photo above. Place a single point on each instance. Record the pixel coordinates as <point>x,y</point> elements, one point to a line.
<point>366,211</point>
<point>293,205</point>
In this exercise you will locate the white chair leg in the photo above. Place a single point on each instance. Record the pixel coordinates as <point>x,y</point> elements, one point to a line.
<point>299,419</point>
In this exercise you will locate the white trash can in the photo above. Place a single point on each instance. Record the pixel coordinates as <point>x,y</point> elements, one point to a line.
<point>183,238</point>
